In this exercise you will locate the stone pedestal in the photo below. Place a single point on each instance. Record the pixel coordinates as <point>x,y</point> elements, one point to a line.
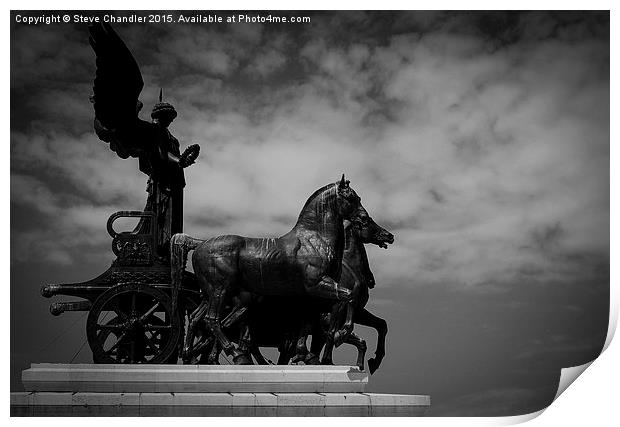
<point>201,390</point>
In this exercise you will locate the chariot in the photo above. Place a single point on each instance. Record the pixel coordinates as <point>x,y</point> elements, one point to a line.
<point>130,315</point>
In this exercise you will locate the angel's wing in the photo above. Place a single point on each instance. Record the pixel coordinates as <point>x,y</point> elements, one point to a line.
<point>117,86</point>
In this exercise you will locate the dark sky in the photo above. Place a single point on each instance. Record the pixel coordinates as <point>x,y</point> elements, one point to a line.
<point>481,140</point>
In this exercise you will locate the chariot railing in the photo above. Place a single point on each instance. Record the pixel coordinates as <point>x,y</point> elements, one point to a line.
<point>137,247</point>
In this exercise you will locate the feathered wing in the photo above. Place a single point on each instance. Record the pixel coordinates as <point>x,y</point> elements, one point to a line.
<point>117,86</point>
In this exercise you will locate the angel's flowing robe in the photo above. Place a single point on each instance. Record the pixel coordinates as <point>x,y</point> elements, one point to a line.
<point>152,145</point>
<point>165,187</point>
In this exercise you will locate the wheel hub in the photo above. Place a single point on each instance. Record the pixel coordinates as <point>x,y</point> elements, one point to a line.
<point>133,324</point>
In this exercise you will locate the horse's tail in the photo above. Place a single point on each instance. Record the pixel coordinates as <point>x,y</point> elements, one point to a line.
<point>180,245</point>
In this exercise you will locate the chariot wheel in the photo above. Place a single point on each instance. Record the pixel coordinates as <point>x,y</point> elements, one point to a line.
<point>133,323</point>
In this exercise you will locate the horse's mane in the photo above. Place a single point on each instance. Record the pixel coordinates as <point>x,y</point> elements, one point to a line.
<point>315,195</point>
<point>348,236</point>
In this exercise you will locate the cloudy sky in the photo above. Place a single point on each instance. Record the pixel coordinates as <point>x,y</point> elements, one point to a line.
<point>481,140</point>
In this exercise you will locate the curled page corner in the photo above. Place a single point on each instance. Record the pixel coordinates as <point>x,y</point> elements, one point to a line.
<point>518,419</point>
<point>613,319</point>
<point>568,375</point>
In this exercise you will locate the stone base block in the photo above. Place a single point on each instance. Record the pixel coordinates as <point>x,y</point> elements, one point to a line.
<point>216,404</point>
<point>197,390</point>
<point>46,377</point>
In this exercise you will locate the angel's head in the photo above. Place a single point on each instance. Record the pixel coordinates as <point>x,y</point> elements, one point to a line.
<point>163,113</point>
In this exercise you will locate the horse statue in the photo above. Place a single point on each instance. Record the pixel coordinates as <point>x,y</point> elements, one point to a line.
<point>306,261</point>
<point>283,322</point>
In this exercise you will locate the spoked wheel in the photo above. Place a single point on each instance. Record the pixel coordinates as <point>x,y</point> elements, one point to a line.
<point>133,323</point>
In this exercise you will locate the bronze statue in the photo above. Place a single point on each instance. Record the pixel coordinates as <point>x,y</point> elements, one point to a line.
<point>252,292</point>
<point>118,84</point>
<point>306,261</point>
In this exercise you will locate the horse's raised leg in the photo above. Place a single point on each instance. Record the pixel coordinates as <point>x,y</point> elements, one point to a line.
<point>360,344</point>
<point>366,318</point>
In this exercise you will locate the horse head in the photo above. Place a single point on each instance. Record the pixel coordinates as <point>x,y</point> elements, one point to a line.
<point>368,231</point>
<point>351,209</point>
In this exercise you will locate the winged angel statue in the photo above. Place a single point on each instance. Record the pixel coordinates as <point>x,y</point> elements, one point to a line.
<point>117,87</point>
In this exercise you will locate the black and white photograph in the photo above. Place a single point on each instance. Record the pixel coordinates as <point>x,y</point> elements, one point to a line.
<point>306,213</point>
